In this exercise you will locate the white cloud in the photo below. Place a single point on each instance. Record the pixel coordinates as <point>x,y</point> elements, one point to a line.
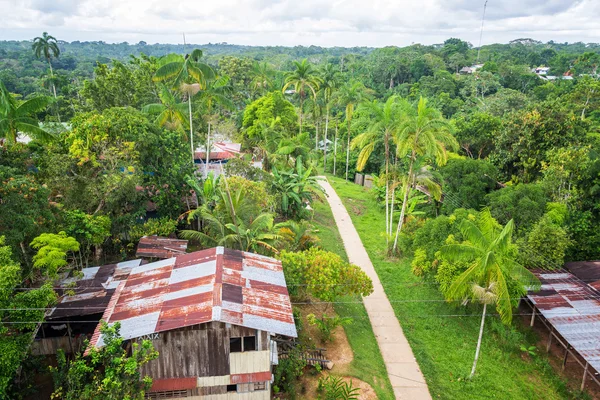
<point>293,22</point>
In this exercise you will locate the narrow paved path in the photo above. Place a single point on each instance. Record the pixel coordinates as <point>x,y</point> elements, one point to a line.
<point>402,368</point>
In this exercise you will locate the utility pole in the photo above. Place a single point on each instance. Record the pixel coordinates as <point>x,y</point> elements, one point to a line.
<point>481,33</point>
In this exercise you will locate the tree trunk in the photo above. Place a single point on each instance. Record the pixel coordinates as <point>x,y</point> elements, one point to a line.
<point>317,139</point>
<point>404,201</point>
<point>52,77</point>
<point>208,147</point>
<point>387,189</point>
<point>325,141</point>
<point>335,148</point>
<point>479,341</point>
<point>348,149</point>
<point>53,88</point>
<point>587,101</point>
<point>191,129</point>
<point>24,251</point>
<point>301,104</point>
<point>389,233</point>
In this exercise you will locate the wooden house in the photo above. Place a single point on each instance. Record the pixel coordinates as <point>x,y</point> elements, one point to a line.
<point>211,315</point>
<point>81,305</point>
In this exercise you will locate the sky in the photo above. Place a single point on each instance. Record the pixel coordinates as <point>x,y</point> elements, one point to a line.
<point>347,23</point>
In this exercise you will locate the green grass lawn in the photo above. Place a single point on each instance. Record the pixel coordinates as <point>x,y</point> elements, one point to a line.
<point>368,364</point>
<point>443,337</point>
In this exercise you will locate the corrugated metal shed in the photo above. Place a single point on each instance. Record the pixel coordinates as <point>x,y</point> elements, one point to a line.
<point>92,292</point>
<point>217,284</point>
<point>160,247</point>
<point>587,271</point>
<point>572,307</point>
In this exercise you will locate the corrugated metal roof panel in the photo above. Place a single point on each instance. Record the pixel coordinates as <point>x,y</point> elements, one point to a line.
<point>160,247</point>
<point>573,307</point>
<point>91,293</point>
<point>210,285</point>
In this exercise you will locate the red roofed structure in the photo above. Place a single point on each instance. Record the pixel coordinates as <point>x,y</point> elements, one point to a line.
<point>210,315</point>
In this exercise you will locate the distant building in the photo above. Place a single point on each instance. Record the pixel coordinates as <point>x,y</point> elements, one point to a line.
<point>324,144</point>
<point>220,154</point>
<point>469,70</point>
<point>543,71</point>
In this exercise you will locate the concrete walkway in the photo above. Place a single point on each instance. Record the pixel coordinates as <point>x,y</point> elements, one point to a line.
<point>402,368</point>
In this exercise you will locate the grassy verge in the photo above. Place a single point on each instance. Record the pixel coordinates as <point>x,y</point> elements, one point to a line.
<point>367,364</point>
<point>442,337</point>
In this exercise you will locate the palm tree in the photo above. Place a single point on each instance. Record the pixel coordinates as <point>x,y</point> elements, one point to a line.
<point>169,113</point>
<point>492,270</point>
<point>423,132</point>
<point>189,75</point>
<point>299,235</point>
<point>16,118</point>
<point>349,96</point>
<point>235,226</point>
<point>302,78</point>
<point>47,46</point>
<point>262,76</point>
<point>385,119</point>
<point>329,84</point>
<point>216,92</point>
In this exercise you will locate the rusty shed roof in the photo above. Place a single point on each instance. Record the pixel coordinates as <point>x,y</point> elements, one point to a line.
<point>92,292</point>
<point>160,247</point>
<point>587,271</point>
<point>217,284</point>
<point>573,308</point>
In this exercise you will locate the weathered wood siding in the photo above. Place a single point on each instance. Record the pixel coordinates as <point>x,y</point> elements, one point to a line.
<point>248,362</point>
<point>200,350</point>
<point>49,346</point>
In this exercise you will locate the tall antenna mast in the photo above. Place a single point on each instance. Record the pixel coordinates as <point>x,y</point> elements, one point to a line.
<point>184,43</point>
<point>481,33</point>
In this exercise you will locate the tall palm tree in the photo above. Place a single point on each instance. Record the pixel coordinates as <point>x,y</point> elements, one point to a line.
<point>349,96</point>
<point>262,76</point>
<point>215,93</point>
<point>302,78</point>
<point>18,117</point>
<point>189,75</point>
<point>424,132</point>
<point>169,112</point>
<point>330,82</point>
<point>385,121</point>
<point>47,46</point>
<point>492,270</point>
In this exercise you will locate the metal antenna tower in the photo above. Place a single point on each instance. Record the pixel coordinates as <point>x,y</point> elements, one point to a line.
<point>481,33</point>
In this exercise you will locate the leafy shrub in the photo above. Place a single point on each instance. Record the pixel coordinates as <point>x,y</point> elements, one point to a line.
<point>52,252</point>
<point>287,373</point>
<point>467,182</point>
<point>255,194</point>
<point>419,262</point>
<point>242,167</point>
<point>545,245</point>
<point>525,203</point>
<point>161,227</point>
<point>323,275</point>
<point>334,388</point>
<point>327,325</point>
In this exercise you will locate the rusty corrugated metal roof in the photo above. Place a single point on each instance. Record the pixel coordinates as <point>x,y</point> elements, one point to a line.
<point>217,284</point>
<point>220,151</point>
<point>160,247</point>
<point>587,271</point>
<point>91,293</point>
<point>573,308</point>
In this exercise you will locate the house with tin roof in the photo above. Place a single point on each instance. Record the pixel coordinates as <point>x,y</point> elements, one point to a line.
<point>212,316</point>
